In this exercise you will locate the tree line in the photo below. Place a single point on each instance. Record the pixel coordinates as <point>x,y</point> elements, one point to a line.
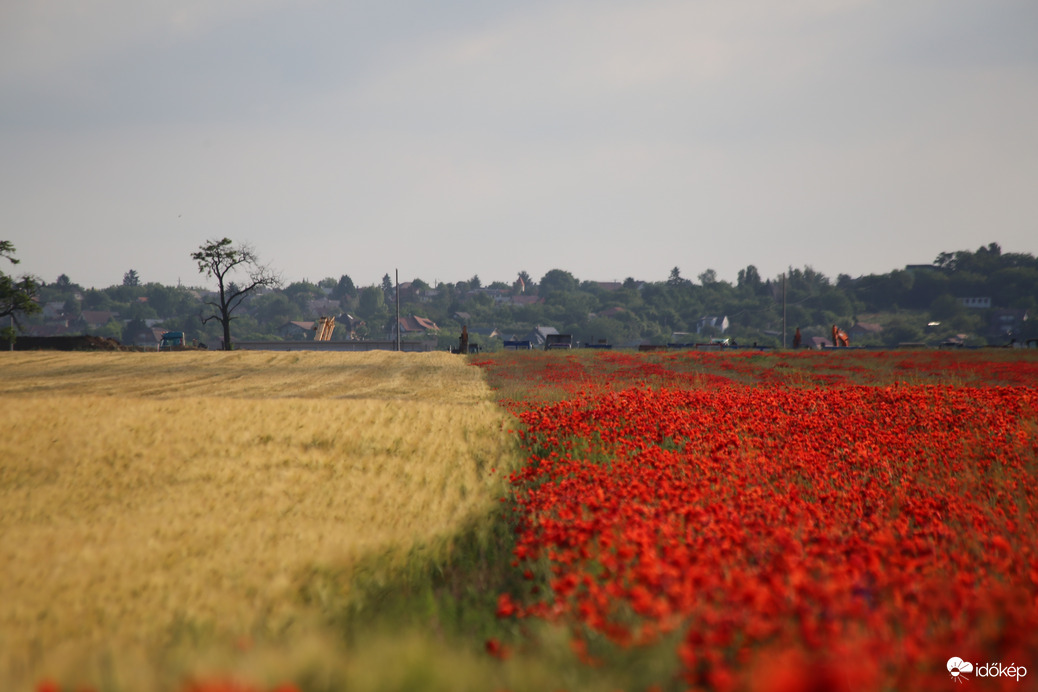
<point>917,303</point>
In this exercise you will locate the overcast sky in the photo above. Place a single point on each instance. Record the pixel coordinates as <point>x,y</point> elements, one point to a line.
<point>609,138</point>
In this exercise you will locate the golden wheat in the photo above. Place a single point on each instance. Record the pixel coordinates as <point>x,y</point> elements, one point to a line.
<point>146,493</point>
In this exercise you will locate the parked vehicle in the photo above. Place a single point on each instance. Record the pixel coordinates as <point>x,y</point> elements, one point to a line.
<point>171,341</point>
<point>558,341</point>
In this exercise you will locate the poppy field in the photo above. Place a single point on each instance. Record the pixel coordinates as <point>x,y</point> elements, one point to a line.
<point>782,521</point>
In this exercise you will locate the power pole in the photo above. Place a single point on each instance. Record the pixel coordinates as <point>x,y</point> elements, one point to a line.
<point>397,271</point>
<point>783,310</point>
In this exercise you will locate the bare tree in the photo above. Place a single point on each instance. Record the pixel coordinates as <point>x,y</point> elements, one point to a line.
<point>219,258</point>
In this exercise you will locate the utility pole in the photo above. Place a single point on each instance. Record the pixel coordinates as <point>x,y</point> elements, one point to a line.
<point>397,271</point>
<point>783,310</point>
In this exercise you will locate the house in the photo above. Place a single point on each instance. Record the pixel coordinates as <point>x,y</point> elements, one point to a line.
<point>977,303</point>
<point>148,337</point>
<point>419,292</point>
<point>54,309</point>
<point>1007,323</point>
<point>498,295</point>
<point>351,323</point>
<point>413,325</point>
<point>609,312</point>
<point>296,331</point>
<point>93,319</point>
<point>525,300</point>
<point>323,306</point>
<point>485,332</point>
<point>539,335</point>
<point>407,290</point>
<point>54,329</point>
<point>818,342</point>
<point>864,329</point>
<point>718,323</point>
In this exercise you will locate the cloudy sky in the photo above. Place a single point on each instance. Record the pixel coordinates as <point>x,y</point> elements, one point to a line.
<point>609,138</point>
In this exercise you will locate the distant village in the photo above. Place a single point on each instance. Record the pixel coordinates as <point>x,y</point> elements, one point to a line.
<point>963,298</point>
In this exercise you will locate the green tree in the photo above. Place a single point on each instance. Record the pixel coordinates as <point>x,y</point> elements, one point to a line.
<point>273,309</point>
<point>969,284</point>
<point>301,293</point>
<point>900,330</point>
<point>94,299</point>
<point>967,322</point>
<point>836,302</point>
<point>372,302</point>
<point>881,292</point>
<point>131,278</point>
<point>123,293</point>
<point>925,286</point>
<point>556,280</point>
<point>168,301</point>
<point>141,311</point>
<point>749,279</point>
<point>530,315</point>
<point>64,283</point>
<point>219,259</point>
<point>1012,286</point>
<point>573,308</point>
<point>133,329</point>
<point>17,295</point>
<point>946,307</point>
<point>609,330</point>
<point>344,290</point>
<point>112,329</point>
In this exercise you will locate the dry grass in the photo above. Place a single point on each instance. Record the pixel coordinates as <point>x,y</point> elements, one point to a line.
<point>433,377</point>
<point>147,495</point>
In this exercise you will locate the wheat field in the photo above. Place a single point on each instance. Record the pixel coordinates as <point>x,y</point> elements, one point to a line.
<point>145,495</point>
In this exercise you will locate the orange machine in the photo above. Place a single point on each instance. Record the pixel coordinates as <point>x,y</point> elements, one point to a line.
<point>324,328</point>
<point>840,338</point>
